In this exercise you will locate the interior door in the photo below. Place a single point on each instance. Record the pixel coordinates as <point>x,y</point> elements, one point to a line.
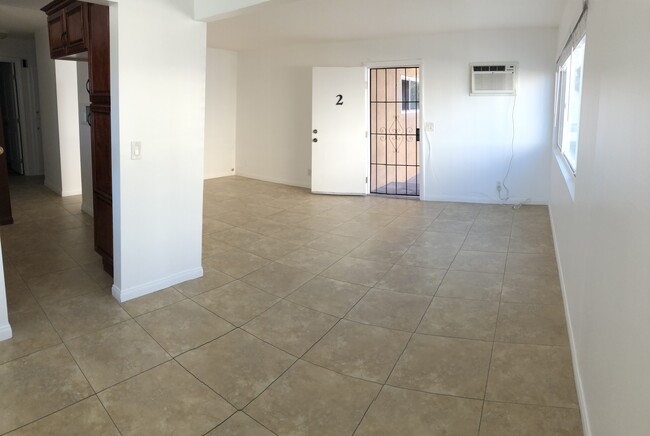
<point>5,202</point>
<point>339,154</point>
<point>11,117</point>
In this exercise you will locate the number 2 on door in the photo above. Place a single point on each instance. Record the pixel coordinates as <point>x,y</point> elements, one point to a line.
<point>339,100</point>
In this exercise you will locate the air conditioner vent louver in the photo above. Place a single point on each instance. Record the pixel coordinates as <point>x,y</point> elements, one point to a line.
<point>493,79</point>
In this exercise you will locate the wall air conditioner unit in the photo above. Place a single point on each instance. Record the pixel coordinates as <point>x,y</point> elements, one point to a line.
<point>493,78</point>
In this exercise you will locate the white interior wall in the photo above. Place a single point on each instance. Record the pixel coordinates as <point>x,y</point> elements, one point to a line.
<point>48,109</point>
<point>84,140</point>
<point>158,72</point>
<point>220,113</point>
<point>67,103</point>
<point>602,236</point>
<point>471,145</point>
<point>16,50</point>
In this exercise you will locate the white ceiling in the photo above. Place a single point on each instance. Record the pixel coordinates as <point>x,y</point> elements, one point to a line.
<point>315,21</point>
<point>21,18</point>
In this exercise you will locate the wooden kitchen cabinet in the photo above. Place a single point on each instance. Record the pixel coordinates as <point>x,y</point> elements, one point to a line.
<point>67,25</point>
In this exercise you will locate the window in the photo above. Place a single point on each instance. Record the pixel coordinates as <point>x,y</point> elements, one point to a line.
<point>569,99</point>
<point>409,94</point>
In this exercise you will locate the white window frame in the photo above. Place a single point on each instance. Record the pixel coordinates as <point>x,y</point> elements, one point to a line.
<point>566,104</point>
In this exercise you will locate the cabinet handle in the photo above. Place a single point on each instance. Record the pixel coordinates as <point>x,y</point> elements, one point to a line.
<point>63,37</point>
<point>88,118</point>
<point>88,86</point>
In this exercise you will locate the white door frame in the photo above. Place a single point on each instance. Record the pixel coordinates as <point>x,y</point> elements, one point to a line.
<point>423,134</point>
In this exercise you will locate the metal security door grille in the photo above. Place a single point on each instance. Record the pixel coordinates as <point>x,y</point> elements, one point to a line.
<point>395,131</point>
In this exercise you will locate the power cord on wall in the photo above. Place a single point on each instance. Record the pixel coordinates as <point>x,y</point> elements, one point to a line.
<point>512,155</point>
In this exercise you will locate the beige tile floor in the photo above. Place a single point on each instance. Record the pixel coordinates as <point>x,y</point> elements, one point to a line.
<point>316,315</point>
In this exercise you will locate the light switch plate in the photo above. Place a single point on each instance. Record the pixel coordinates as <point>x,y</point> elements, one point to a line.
<point>136,150</point>
<point>428,127</point>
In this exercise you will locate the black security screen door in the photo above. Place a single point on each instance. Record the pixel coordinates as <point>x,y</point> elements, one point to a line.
<point>395,131</point>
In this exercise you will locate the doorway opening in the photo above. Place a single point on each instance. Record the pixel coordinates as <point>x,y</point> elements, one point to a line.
<point>10,109</point>
<point>395,131</point>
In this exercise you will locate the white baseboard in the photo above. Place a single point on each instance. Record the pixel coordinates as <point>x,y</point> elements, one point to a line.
<point>71,193</point>
<point>55,189</point>
<point>483,200</point>
<point>88,208</point>
<point>273,179</point>
<point>5,332</point>
<point>218,175</point>
<point>584,412</point>
<point>123,295</point>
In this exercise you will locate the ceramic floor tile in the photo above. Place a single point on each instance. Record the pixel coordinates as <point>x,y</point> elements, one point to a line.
<point>211,225</point>
<point>86,417</point>
<point>358,271</point>
<point>379,251</point>
<point>535,243</point>
<point>235,262</point>
<point>52,374</point>
<point>540,324</point>
<point>447,366</point>
<point>278,279</point>
<point>297,235</point>
<point>41,262</point>
<point>479,261</point>
<point>503,418</point>
<point>532,374</point>
<point>31,332</point>
<point>328,295</point>
<point>19,297</point>
<point>151,302</point>
<point>412,280</point>
<point>290,327</point>
<point>308,399</point>
<point>236,302</point>
<point>496,227</point>
<point>486,242</point>
<point>404,412</point>
<point>237,237</point>
<point>440,240</point>
<point>240,424</point>
<point>392,310</point>
<point>164,400</point>
<point>532,264</point>
<point>116,353</point>
<point>82,253</point>
<point>359,350</point>
<point>450,226</point>
<point>335,244</point>
<point>428,257</point>
<point>471,285</point>
<point>81,315</point>
<point>270,248</point>
<point>238,366</point>
<point>308,259</point>
<point>211,279</point>
<point>183,326</point>
<point>454,317</point>
<point>58,285</point>
<point>519,288</point>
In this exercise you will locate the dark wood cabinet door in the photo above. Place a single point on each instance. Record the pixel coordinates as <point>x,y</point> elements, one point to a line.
<point>99,54</point>
<point>76,34</point>
<point>56,31</point>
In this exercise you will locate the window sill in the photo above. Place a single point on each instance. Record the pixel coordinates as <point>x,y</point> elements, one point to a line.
<point>567,173</point>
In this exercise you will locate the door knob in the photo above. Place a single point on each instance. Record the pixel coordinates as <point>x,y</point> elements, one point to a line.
<point>314,140</point>
<point>2,151</point>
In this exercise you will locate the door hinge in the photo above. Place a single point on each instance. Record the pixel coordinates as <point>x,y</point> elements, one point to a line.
<point>366,180</point>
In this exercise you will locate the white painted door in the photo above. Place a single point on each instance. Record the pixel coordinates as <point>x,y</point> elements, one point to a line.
<point>339,151</point>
